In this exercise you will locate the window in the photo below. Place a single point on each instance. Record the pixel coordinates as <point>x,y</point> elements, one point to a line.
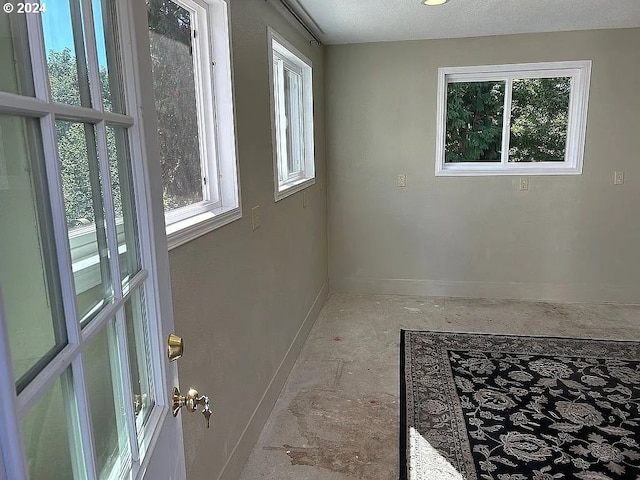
<point>191,66</point>
<point>512,119</point>
<point>291,117</point>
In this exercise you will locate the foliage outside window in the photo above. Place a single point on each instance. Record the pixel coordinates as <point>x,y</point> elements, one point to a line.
<point>512,119</point>
<point>63,79</point>
<point>77,145</point>
<point>189,55</point>
<point>292,117</point>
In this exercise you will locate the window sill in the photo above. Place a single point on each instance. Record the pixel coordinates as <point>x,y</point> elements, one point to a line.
<point>85,259</point>
<point>86,269</point>
<point>291,188</point>
<point>184,231</point>
<point>479,170</point>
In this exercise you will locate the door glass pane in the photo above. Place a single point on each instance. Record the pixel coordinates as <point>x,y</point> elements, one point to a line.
<point>539,119</point>
<point>81,186</point>
<point>293,112</point>
<point>28,267</point>
<point>174,87</point>
<point>105,24</point>
<point>15,74</point>
<point>138,339</point>
<point>46,431</point>
<point>66,58</point>
<point>475,113</point>
<point>104,389</point>
<point>123,201</point>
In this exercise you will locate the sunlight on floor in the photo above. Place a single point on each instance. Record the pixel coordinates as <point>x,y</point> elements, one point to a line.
<point>426,462</point>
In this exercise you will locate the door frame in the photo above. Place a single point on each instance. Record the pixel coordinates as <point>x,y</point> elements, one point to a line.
<point>137,66</point>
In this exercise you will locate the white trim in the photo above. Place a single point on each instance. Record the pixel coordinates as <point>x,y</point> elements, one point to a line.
<point>283,52</point>
<point>216,127</point>
<point>506,123</point>
<point>101,148</point>
<point>205,100</point>
<point>11,449</point>
<point>580,74</point>
<point>295,187</point>
<point>148,199</point>
<point>37,51</point>
<point>122,341</point>
<point>50,373</point>
<point>555,292</point>
<point>147,178</point>
<point>84,417</point>
<point>14,104</point>
<point>225,113</point>
<point>240,452</point>
<point>471,169</point>
<point>179,233</point>
<point>30,395</point>
<point>545,69</point>
<point>122,388</point>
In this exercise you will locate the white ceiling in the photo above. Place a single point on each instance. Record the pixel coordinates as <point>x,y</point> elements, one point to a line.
<point>357,21</point>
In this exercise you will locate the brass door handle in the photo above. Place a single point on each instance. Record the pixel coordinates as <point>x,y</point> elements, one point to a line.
<point>175,347</point>
<point>191,401</point>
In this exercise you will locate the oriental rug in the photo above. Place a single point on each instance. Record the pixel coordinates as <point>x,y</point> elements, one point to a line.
<point>500,407</point>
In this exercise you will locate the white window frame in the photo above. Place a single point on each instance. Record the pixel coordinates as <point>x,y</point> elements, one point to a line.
<point>287,183</point>
<point>216,123</point>
<point>580,74</point>
<point>218,147</point>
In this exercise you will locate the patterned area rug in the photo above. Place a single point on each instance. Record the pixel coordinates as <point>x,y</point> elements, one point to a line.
<point>502,407</point>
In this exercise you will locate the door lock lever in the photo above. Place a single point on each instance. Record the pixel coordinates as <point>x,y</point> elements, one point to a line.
<point>191,401</point>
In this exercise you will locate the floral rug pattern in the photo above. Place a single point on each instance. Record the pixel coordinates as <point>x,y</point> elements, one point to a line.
<point>519,408</point>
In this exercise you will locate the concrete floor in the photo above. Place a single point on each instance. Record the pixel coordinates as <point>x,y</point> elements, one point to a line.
<point>337,416</point>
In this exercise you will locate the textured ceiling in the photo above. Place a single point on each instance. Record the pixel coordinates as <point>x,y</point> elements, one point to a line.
<point>357,21</point>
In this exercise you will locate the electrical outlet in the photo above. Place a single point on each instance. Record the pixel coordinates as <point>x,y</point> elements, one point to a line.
<point>524,184</point>
<point>618,178</point>
<point>402,180</point>
<point>255,217</point>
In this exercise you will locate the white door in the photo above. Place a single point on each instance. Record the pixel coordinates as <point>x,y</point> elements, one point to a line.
<point>85,300</point>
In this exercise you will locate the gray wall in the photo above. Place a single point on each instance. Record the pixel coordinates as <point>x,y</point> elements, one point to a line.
<point>568,238</point>
<point>240,296</point>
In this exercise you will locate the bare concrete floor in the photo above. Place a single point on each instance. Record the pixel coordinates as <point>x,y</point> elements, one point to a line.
<point>337,417</point>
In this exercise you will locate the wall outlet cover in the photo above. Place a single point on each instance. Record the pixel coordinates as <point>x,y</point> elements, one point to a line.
<point>255,217</point>
<point>618,178</point>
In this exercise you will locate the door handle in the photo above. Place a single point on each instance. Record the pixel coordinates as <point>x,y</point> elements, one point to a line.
<point>175,347</point>
<point>191,401</point>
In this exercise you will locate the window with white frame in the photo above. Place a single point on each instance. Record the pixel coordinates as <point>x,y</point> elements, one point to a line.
<point>291,116</point>
<point>189,43</point>
<point>512,119</point>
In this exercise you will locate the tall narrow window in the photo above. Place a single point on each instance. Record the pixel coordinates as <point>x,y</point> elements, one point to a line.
<point>292,117</point>
<point>198,196</point>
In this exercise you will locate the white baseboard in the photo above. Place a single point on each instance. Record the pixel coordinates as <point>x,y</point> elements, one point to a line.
<point>241,450</point>
<point>569,293</point>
